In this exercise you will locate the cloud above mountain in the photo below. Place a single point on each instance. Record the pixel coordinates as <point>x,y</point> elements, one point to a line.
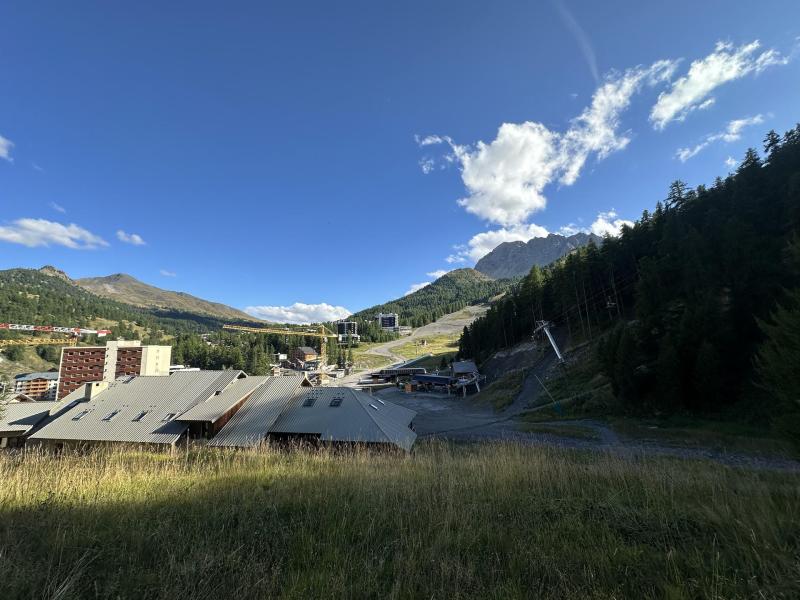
<point>506,179</point>
<point>299,313</point>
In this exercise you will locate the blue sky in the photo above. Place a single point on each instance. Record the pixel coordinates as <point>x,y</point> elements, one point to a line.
<point>269,154</point>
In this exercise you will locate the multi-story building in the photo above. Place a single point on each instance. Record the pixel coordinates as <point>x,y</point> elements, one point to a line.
<point>390,321</point>
<point>347,331</point>
<point>82,364</point>
<point>37,386</point>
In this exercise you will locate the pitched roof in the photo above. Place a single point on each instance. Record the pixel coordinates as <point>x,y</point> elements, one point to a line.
<point>250,425</point>
<point>219,404</point>
<point>306,350</point>
<point>53,375</point>
<point>141,410</point>
<point>279,407</point>
<point>18,418</point>
<point>358,417</point>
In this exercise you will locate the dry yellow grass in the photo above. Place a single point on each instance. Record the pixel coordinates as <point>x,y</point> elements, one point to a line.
<point>479,521</point>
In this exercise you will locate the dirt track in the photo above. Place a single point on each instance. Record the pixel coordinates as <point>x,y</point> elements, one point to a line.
<point>448,324</point>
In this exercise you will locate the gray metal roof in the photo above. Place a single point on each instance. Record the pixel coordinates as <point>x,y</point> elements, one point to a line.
<point>464,366</point>
<point>18,418</point>
<point>219,404</point>
<point>250,425</point>
<point>358,418</point>
<point>52,375</point>
<point>139,410</point>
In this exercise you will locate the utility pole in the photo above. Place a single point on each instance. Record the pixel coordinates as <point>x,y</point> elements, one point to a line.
<point>545,325</point>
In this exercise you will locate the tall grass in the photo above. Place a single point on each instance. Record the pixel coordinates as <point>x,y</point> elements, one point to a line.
<point>478,521</point>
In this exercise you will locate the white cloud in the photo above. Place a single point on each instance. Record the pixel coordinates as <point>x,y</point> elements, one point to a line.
<point>130,238</point>
<point>734,129</point>
<point>609,223</point>
<point>427,165</point>
<point>731,133</point>
<point>299,313</point>
<point>41,232</point>
<point>437,274</point>
<point>37,167</point>
<point>569,229</point>
<point>415,287</point>
<point>166,273</point>
<point>730,162</point>
<point>691,92</point>
<point>57,207</point>
<point>481,244</point>
<point>505,179</point>
<point>430,140</point>
<point>5,148</point>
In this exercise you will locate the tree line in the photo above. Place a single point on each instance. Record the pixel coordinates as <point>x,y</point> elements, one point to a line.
<point>694,305</point>
<point>448,294</point>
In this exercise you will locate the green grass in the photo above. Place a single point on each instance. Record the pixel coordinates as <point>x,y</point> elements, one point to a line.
<point>364,360</point>
<point>502,391</point>
<point>691,431</point>
<point>438,346</point>
<point>478,521</point>
<point>571,431</point>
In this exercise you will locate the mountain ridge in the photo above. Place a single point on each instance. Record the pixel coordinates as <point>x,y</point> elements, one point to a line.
<point>449,293</point>
<point>515,259</point>
<point>129,290</point>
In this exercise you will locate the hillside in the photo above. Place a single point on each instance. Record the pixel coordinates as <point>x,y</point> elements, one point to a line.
<point>515,259</point>
<point>448,294</point>
<point>695,307</point>
<point>129,290</point>
<point>47,297</point>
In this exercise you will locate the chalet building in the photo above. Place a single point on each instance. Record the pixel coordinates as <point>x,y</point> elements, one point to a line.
<point>304,354</point>
<point>139,410</point>
<point>221,409</point>
<point>19,419</point>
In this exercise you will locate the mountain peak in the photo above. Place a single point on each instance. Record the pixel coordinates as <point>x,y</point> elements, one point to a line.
<point>52,271</point>
<point>125,288</point>
<point>515,259</point>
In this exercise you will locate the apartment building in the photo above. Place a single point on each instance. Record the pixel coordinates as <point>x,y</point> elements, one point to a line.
<point>82,364</point>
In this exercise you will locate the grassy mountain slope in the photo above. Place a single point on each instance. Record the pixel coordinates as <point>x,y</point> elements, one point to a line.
<point>450,293</point>
<point>127,289</point>
<point>31,296</point>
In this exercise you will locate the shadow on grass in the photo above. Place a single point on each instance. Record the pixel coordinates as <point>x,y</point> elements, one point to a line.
<point>498,521</point>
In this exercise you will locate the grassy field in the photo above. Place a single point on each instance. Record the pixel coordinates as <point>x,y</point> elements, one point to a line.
<point>562,429</point>
<point>438,346</point>
<point>478,521</point>
<point>364,360</point>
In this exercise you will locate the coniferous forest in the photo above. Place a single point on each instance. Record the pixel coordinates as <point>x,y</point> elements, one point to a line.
<point>694,307</point>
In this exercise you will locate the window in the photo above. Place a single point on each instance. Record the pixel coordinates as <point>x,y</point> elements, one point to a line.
<point>168,417</point>
<point>111,415</point>
<point>80,415</point>
<point>309,402</point>
<point>140,416</point>
<point>336,402</point>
